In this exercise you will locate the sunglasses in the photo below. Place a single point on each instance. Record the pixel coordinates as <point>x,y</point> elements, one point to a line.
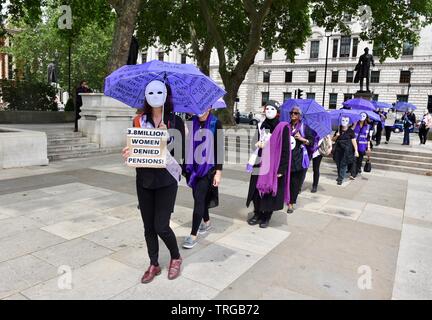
<point>295,113</point>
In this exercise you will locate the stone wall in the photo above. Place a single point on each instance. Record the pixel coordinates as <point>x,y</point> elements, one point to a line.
<point>35,117</point>
<point>21,148</point>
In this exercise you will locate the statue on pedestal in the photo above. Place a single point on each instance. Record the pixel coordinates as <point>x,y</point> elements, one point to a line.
<point>363,69</point>
<point>52,73</point>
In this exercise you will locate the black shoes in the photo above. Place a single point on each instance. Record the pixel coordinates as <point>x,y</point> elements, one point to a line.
<point>264,224</point>
<point>254,220</point>
<point>339,183</point>
<point>314,189</point>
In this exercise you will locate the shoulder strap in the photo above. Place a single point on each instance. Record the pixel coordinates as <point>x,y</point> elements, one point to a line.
<point>137,121</point>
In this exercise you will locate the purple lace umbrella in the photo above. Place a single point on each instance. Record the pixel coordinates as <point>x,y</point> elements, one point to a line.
<point>359,104</point>
<point>192,91</point>
<point>313,114</point>
<point>404,106</point>
<point>382,105</point>
<point>220,104</point>
<point>336,115</point>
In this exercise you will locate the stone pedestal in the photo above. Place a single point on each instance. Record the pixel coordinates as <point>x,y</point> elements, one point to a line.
<point>367,95</point>
<point>105,120</point>
<point>22,148</point>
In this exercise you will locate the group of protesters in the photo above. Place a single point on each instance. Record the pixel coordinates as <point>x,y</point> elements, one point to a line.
<point>278,167</point>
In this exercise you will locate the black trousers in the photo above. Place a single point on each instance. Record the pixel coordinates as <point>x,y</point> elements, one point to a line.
<point>379,133</point>
<point>388,131</point>
<point>201,210</point>
<point>156,206</point>
<point>295,185</point>
<point>316,163</point>
<point>356,167</point>
<point>423,132</point>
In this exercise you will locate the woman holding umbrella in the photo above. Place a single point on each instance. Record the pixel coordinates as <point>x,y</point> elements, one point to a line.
<point>361,130</point>
<point>345,147</point>
<point>162,88</point>
<point>301,137</point>
<point>157,188</point>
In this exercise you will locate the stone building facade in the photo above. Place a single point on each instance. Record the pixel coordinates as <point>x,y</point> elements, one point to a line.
<point>408,78</point>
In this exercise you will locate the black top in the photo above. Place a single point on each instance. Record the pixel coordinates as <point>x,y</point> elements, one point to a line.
<point>154,178</point>
<point>409,120</point>
<point>349,134</point>
<point>218,158</point>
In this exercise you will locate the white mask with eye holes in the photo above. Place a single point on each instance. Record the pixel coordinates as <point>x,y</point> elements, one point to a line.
<point>345,121</point>
<point>363,116</point>
<point>270,112</point>
<point>156,94</point>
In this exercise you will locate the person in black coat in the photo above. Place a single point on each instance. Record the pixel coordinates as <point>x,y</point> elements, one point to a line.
<point>409,120</point>
<point>265,205</point>
<point>345,149</point>
<point>83,88</point>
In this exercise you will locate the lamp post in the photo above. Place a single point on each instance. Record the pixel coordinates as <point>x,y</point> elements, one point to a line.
<point>409,83</point>
<point>268,72</point>
<point>328,35</point>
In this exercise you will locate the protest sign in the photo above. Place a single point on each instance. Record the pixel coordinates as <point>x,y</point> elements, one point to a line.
<point>147,147</point>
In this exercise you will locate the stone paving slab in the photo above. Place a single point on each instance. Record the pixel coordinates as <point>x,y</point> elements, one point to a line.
<point>23,272</point>
<point>81,225</point>
<point>118,236</point>
<point>12,226</point>
<point>99,280</point>
<point>75,253</point>
<point>26,242</point>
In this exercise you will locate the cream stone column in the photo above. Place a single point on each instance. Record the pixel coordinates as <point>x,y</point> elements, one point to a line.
<point>105,120</point>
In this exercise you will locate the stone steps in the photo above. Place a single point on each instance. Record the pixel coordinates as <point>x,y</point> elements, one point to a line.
<point>63,141</point>
<point>54,149</point>
<point>383,164</point>
<point>82,154</point>
<point>69,145</point>
<point>385,159</point>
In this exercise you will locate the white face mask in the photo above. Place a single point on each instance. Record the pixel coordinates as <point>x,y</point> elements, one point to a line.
<point>363,116</point>
<point>270,112</point>
<point>156,94</point>
<point>345,121</point>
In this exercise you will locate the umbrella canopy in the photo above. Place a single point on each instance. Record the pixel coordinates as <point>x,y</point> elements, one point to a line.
<point>382,105</point>
<point>336,115</point>
<point>359,104</point>
<point>372,115</point>
<point>313,114</point>
<point>404,106</point>
<point>220,104</point>
<point>191,90</point>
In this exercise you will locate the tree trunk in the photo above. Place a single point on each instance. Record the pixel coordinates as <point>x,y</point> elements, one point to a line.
<point>127,11</point>
<point>203,60</point>
<point>233,79</point>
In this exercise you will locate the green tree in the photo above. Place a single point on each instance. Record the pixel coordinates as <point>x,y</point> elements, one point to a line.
<point>238,29</point>
<point>37,45</point>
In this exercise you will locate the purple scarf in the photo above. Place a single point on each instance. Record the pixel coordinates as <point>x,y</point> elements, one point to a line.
<point>199,165</point>
<point>268,180</point>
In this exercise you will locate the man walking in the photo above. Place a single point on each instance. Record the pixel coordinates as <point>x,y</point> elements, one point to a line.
<point>83,88</point>
<point>409,120</point>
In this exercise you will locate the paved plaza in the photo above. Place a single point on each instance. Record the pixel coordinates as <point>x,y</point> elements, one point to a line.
<point>71,230</point>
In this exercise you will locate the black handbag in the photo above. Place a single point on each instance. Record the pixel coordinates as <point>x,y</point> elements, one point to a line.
<point>367,166</point>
